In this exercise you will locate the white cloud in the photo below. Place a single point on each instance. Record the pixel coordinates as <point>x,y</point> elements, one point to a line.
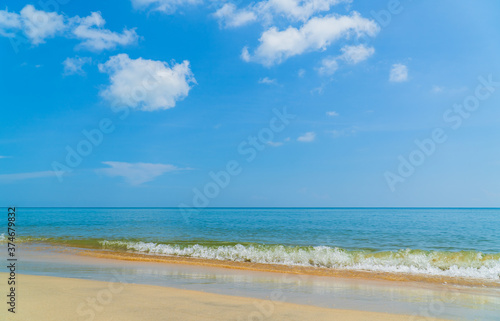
<point>268,81</point>
<point>146,84</point>
<point>295,10</point>
<point>307,137</point>
<point>9,21</point>
<point>399,73</point>
<point>39,25</point>
<point>74,66</point>
<point>245,55</point>
<point>350,54</point>
<point>229,16</point>
<point>166,6</point>
<point>328,66</point>
<point>137,173</point>
<point>318,90</point>
<point>316,34</point>
<point>355,54</point>
<point>94,37</point>
<point>301,73</point>
<point>332,113</point>
<point>8,178</point>
<point>275,144</point>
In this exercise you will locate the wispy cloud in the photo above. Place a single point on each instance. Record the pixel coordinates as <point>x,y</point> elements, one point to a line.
<point>229,16</point>
<point>8,178</point>
<point>165,6</point>
<point>137,173</point>
<point>268,81</point>
<point>332,113</point>
<point>278,144</point>
<point>329,66</point>
<point>398,73</point>
<point>74,66</point>
<point>275,144</point>
<point>307,137</point>
<point>453,91</point>
<point>336,133</point>
<point>356,54</point>
<point>437,89</point>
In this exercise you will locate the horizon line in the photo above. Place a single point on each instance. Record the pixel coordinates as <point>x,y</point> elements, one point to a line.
<point>264,207</point>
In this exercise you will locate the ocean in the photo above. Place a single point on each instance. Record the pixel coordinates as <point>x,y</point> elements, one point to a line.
<point>455,242</point>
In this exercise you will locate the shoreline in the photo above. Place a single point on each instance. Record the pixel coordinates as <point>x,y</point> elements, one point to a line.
<point>43,297</point>
<point>290,269</point>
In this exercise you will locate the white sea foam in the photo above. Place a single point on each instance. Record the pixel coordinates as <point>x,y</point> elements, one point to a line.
<point>460,264</point>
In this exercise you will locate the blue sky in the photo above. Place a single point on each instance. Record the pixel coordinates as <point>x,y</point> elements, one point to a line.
<point>176,88</point>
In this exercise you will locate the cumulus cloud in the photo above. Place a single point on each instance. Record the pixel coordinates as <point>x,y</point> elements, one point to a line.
<point>307,137</point>
<point>229,16</point>
<point>166,6</point>
<point>398,73</point>
<point>94,37</point>
<point>74,66</point>
<point>9,22</point>
<point>146,84</point>
<point>356,54</point>
<point>316,34</point>
<point>137,173</point>
<point>329,66</point>
<point>39,25</point>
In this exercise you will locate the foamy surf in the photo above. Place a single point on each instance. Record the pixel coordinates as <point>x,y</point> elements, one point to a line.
<point>464,264</point>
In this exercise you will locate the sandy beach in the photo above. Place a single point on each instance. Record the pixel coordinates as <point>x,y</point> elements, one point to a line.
<point>53,298</point>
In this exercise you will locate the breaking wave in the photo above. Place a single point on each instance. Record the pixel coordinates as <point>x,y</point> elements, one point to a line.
<point>468,264</point>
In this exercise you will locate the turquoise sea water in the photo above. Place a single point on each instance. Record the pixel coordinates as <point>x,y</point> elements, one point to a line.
<point>448,242</point>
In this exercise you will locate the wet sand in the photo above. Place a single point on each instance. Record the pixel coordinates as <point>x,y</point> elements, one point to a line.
<point>53,298</point>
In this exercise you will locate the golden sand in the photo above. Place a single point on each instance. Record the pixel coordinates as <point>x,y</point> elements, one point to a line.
<point>44,298</point>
